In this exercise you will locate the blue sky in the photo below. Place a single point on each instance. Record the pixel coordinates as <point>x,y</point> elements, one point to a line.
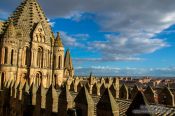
<point>113,37</point>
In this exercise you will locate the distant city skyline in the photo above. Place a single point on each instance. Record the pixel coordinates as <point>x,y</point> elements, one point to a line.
<point>114,37</point>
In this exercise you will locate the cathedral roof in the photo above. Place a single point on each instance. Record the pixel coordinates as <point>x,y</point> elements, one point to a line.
<point>58,41</point>
<point>26,16</point>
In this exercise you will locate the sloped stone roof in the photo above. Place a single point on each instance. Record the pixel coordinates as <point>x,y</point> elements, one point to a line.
<point>65,95</point>
<point>51,92</point>
<point>84,97</point>
<point>139,106</point>
<point>107,102</point>
<point>25,18</point>
<point>149,90</point>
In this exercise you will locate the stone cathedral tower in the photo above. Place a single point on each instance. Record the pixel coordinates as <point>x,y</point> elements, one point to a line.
<point>29,51</point>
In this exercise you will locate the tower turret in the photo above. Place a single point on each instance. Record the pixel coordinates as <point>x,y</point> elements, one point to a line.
<point>58,41</point>
<point>8,52</point>
<point>58,59</point>
<point>10,32</point>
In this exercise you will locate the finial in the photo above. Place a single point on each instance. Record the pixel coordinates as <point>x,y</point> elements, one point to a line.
<point>58,36</point>
<point>58,40</point>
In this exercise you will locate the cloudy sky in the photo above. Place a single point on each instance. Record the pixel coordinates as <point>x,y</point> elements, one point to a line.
<point>113,37</point>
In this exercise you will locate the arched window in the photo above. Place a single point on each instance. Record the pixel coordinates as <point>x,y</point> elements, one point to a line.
<point>38,78</point>
<point>6,56</point>
<point>2,55</point>
<point>55,79</point>
<point>44,38</point>
<point>27,56</point>
<point>48,80</point>
<point>54,61</point>
<point>48,59</point>
<point>2,80</point>
<point>40,58</point>
<point>37,38</point>
<point>59,62</point>
<point>41,37</point>
<point>12,54</point>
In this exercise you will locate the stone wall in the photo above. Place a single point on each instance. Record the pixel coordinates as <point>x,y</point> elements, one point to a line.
<point>79,96</point>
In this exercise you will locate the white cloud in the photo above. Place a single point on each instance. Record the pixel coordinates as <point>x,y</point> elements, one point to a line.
<point>69,40</point>
<point>75,16</point>
<point>108,59</point>
<point>113,15</point>
<point>122,48</point>
<point>117,15</point>
<point>52,24</point>
<point>81,36</point>
<point>136,20</point>
<point>128,71</point>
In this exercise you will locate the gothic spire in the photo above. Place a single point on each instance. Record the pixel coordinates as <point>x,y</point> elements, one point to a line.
<point>107,105</point>
<point>68,60</point>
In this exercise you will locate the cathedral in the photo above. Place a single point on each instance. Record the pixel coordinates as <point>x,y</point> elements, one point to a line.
<point>29,51</point>
<point>36,77</point>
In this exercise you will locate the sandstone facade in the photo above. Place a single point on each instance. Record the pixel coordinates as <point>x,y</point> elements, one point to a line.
<point>29,51</point>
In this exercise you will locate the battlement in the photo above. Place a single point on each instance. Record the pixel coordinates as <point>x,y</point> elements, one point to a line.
<point>83,97</point>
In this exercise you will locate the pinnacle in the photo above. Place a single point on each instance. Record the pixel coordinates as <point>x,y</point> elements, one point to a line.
<point>58,41</point>
<point>124,86</point>
<point>51,92</point>
<point>10,30</point>
<point>107,100</point>
<point>65,94</point>
<point>68,60</point>
<point>84,97</point>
